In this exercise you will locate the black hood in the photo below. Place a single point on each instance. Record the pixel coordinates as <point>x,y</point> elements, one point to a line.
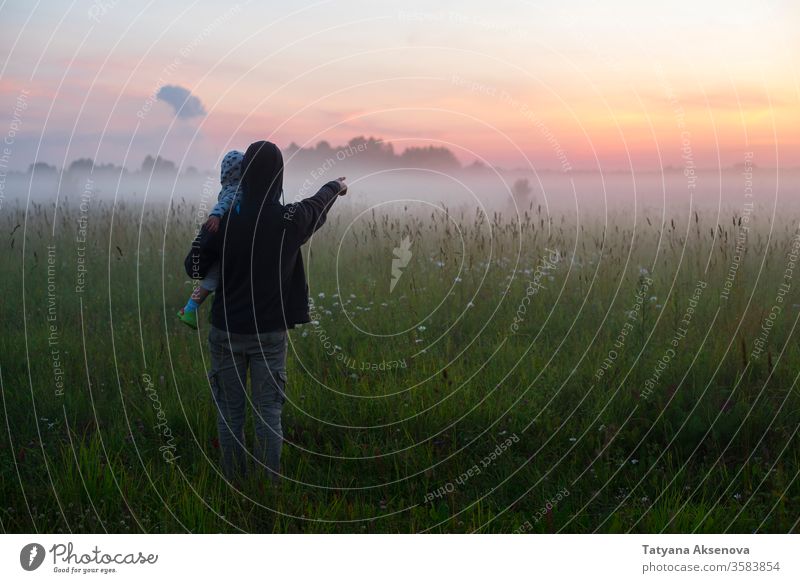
<point>262,179</point>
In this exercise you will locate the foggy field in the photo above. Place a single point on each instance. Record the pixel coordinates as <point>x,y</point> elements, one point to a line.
<point>534,372</point>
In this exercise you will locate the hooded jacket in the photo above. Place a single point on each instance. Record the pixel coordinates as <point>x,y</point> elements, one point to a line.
<point>262,279</point>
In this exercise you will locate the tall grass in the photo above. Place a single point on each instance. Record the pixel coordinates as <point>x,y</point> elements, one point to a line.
<point>461,401</point>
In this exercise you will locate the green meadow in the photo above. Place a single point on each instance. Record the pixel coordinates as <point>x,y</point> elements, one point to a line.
<point>525,373</point>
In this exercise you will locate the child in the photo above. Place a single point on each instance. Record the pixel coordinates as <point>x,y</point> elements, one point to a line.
<point>230,178</point>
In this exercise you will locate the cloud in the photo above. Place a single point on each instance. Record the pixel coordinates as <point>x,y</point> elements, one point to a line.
<point>185,104</point>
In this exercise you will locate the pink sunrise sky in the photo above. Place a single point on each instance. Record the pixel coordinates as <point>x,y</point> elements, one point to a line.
<point>604,85</point>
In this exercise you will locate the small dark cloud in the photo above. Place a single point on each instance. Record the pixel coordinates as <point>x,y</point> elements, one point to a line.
<point>185,104</point>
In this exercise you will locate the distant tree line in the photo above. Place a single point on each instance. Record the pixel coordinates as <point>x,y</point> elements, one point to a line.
<point>86,166</point>
<point>373,152</point>
<point>359,151</point>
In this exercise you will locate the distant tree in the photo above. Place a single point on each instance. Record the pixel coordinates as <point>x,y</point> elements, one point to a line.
<point>148,163</point>
<point>430,157</point>
<point>81,166</point>
<point>477,166</point>
<point>324,148</point>
<point>42,168</point>
<point>109,169</point>
<point>158,165</point>
<point>373,151</point>
<point>521,189</point>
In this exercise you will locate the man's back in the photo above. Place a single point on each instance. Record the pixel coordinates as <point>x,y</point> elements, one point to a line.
<point>262,284</point>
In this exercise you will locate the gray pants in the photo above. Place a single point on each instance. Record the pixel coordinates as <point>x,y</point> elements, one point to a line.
<point>264,355</point>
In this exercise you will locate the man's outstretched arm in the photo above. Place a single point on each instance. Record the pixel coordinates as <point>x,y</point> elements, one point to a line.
<point>309,215</point>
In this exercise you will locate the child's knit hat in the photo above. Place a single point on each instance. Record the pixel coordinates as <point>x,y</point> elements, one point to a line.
<point>231,172</point>
<point>230,177</point>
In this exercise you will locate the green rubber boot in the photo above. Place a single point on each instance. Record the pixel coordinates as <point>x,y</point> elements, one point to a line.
<point>188,318</point>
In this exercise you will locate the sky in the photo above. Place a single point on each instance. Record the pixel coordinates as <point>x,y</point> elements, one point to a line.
<point>569,85</point>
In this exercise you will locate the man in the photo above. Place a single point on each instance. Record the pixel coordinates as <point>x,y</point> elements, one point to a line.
<point>262,293</point>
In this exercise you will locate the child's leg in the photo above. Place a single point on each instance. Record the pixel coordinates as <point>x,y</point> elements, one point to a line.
<point>197,298</point>
<point>207,285</point>
<point>200,294</point>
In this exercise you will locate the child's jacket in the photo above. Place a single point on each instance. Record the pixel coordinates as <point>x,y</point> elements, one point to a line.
<point>230,177</point>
